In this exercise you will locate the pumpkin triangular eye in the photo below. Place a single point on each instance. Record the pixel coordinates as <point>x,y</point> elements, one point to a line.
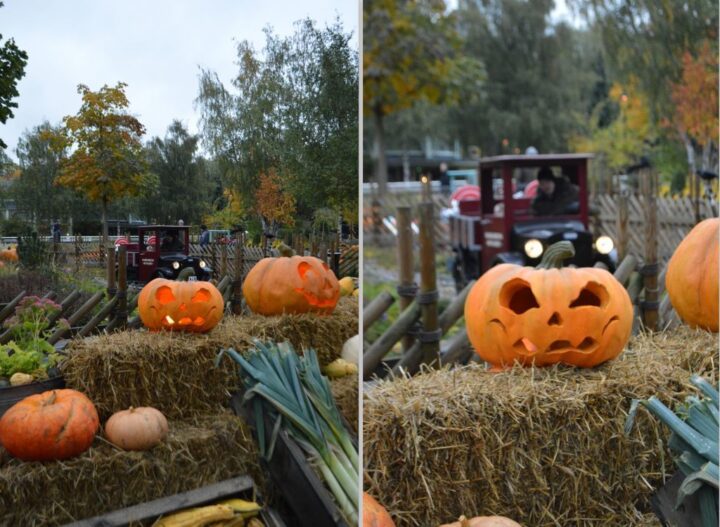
<point>517,296</point>
<point>203,295</point>
<point>593,294</point>
<point>164,295</point>
<point>303,268</point>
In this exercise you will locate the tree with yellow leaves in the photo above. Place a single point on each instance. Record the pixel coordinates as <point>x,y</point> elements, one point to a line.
<point>274,206</point>
<point>107,161</point>
<point>411,52</point>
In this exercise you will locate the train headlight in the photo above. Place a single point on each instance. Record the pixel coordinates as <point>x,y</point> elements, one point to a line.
<point>604,245</point>
<point>533,248</point>
<point>202,264</point>
<point>176,265</point>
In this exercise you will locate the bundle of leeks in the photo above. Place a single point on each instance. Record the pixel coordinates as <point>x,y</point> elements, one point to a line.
<point>291,389</point>
<point>694,444</point>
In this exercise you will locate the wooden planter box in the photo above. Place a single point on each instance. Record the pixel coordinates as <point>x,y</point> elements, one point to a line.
<point>663,505</point>
<point>310,501</point>
<point>13,394</point>
<point>147,513</point>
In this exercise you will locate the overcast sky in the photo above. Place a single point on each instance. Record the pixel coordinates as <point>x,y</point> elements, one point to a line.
<point>155,46</point>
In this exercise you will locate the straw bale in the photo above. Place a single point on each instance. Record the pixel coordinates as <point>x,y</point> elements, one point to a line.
<point>543,446</point>
<point>174,372</point>
<point>345,392</point>
<point>195,453</point>
<point>325,334</point>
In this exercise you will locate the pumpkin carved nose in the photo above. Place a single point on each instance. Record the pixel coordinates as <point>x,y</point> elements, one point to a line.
<point>555,320</point>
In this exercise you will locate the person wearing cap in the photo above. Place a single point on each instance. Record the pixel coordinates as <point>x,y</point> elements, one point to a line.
<point>555,196</point>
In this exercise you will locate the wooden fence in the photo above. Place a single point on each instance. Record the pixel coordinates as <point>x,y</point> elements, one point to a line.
<point>114,308</point>
<point>676,217</point>
<point>220,257</point>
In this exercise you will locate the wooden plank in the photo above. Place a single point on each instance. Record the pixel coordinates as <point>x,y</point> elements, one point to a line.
<point>10,307</point>
<point>76,317</point>
<point>376,308</point>
<point>373,355</point>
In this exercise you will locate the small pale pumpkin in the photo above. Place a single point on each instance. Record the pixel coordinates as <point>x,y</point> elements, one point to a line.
<point>692,276</point>
<point>374,514</point>
<point>298,284</point>
<point>347,286</point>
<point>483,521</point>
<point>57,424</point>
<point>548,315</point>
<point>180,306</point>
<point>18,379</point>
<point>136,428</point>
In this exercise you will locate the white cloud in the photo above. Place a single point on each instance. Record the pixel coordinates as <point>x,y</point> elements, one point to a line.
<point>155,47</point>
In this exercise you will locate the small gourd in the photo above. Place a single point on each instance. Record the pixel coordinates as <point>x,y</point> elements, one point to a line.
<point>18,379</point>
<point>136,428</point>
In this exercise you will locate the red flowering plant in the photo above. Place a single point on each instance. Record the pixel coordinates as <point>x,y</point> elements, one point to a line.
<point>29,350</point>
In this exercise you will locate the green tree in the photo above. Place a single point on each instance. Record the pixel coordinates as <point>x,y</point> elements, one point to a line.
<point>292,109</point>
<point>540,76</point>
<point>12,68</point>
<point>34,190</point>
<point>411,52</point>
<point>647,39</point>
<point>107,160</point>
<point>321,131</point>
<point>184,189</point>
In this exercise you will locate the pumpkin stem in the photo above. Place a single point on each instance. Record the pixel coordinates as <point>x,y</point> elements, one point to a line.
<point>51,399</point>
<point>555,254</point>
<point>464,522</point>
<point>185,274</point>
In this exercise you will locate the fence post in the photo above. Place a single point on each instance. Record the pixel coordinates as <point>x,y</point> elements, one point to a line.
<point>239,267</point>
<point>110,265</point>
<point>223,259</point>
<point>121,310</point>
<point>213,259</point>
<point>407,289</point>
<point>430,334</point>
<point>78,239</point>
<point>622,223</point>
<point>648,182</point>
<point>376,219</point>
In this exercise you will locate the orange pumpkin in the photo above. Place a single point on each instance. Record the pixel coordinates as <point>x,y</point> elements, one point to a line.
<point>483,521</point>
<point>9,255</point>
<point>692,276</point>
<point>298,284</point>
<point>548,315</point>
<point>374,514</point>
<point>57,424</point>
<point>136,428</point>
<point>183,306</point>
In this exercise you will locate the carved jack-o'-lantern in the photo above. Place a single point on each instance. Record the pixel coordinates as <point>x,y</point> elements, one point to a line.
<point>547,315</point>
<point>183,306</point>
<point>298,284</point>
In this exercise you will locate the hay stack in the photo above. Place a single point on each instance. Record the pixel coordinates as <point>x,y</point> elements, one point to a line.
<point>542,446</point>
<point>325,334</point>
<point>104,478</point>
<point>345,393</point>
<point>174,372</point>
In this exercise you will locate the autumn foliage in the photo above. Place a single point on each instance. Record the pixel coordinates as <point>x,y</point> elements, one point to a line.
<point>275,206</point>
<point>696,96</point>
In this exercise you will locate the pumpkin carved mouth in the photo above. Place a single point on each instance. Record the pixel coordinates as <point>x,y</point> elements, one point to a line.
<point>525,347</point>
<point>315,300</point>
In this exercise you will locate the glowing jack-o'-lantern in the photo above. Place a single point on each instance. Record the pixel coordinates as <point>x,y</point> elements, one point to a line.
<point>298,284</point>
<point>183,306</point>
<point>548,315</point>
